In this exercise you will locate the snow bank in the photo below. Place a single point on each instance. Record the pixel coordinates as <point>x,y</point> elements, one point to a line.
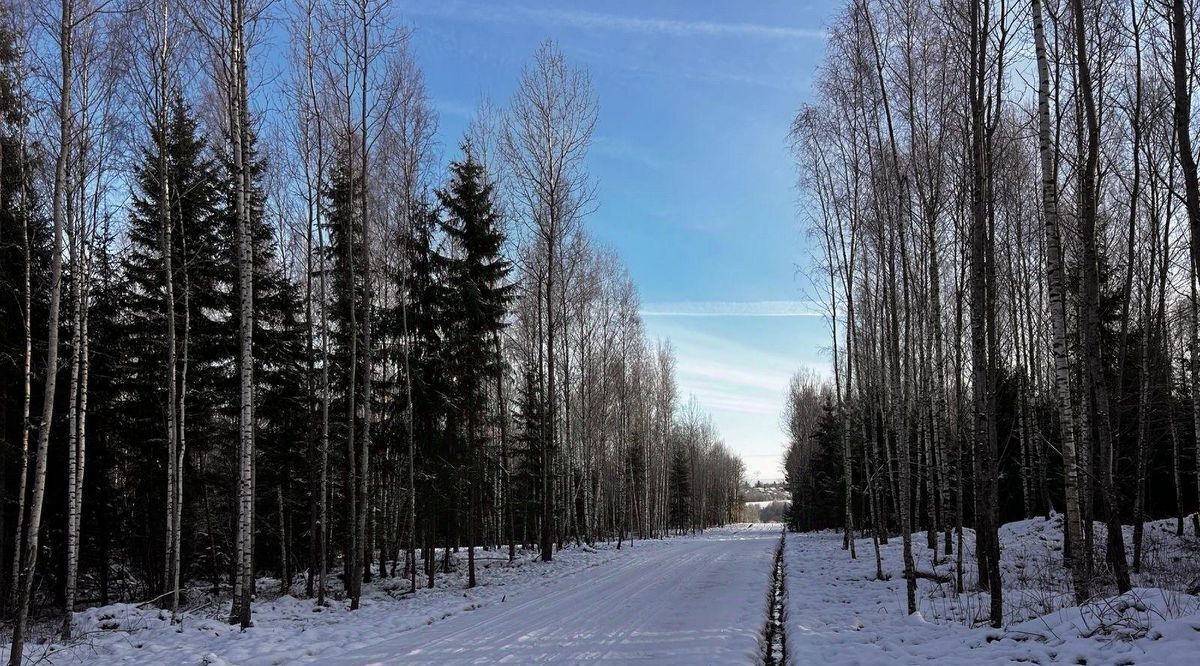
<point>838,613</point>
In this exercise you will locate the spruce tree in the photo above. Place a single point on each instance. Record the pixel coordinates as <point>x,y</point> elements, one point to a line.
<point>280,368</point>
<point>199,307</point>
<point>476,274</point>
<point>529,440</point>
<point>422,329</point>
<point>104,425</point>
<point>681,488</point>
<point>347,294</point>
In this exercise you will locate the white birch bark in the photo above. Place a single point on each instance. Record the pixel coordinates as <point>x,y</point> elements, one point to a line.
<point>29,538</point>
<point>238,117</point>
<point>1058,315</point>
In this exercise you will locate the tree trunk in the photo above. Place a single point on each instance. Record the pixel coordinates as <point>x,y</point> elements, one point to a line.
<point>33,524</point>
<point>1180,72</point>
<point>26,385</point>
<point>365,459</point>
<point>982,314</point>
<point>1090,327</point>
<point>548,523</point>
<point>1058,318</point>
<point>239,132</point>
<point>75,418</point>
<point>167,250</point>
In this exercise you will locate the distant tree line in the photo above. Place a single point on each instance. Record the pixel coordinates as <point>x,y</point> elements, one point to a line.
<point>253,327</point>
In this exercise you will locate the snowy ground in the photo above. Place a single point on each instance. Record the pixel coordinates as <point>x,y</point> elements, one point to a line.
<point>694,600</point>
<point>837,613</point>
<point>687,600</point>
<point>699,601</point>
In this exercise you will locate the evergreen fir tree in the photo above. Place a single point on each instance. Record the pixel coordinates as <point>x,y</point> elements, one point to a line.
<point>478,296</point>
<point>280,367</point>
<point>424,321</point>
<point>347,293</point>
<point>681,488</point>
<point>527,478</point>
<point>476,275</point>
<point>814,484</point>
<point>197,247</point>
<point>103,425</point>
<point>344,231</point>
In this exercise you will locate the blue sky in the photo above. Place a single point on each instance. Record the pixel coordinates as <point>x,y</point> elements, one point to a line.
<point>694,181</point>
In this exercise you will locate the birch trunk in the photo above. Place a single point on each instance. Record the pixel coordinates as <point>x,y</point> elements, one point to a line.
<point>1090,327</point>
<point>321,528</point>
<point>548,452</point>
<point>353,549</point>
<point>364,455</point>
<point>32,525</point>
<point>75,225</point>
<point>1180,72</point>
<point>940,403</point>
<point>1058,317</point>
<point>312,193</point>
<point>238,118</point>
<point>181,446</point>
<point>167,250</point>
<point>26,383</point>
<point>408,429</point>
<point>502,417</point>
<point>1148,326</point>
<point>323,482</point>
<point>843,411</point>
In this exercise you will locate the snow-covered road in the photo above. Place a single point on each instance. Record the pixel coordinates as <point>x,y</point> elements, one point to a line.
<point>691,600</point>
<point>699,601</point>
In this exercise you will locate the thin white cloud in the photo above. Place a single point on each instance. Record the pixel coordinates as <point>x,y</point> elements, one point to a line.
<point>676,28</point>
<point>731,400</point>
<point>598,21</point>
<point>454,108</point>
<point>727,375</point>
<point>624,151</point>
<point>733,372</point>
<point>732,309</point>
<point>739,378</point>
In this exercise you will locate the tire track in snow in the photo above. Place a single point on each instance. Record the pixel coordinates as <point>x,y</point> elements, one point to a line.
<point>694,601</point>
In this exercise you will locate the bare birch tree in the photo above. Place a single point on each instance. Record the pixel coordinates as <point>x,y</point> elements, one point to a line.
<point>65,25</point>
<point>547,133</point>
